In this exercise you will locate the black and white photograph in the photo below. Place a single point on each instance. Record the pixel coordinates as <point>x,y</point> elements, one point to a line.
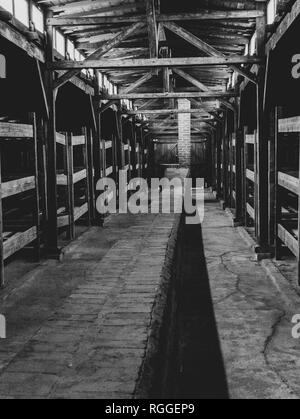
<point>149,202</point>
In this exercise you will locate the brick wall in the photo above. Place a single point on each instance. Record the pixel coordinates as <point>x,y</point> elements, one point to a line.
<point>184,134</point>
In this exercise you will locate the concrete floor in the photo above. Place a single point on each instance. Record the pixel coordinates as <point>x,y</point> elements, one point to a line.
<point>253,319</point>
<point>78,328</point>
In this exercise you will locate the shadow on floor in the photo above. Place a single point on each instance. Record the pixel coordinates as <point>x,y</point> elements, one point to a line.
<point>202,371</point>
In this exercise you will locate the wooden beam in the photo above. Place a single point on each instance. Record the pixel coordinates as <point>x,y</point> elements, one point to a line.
<point>204,47</point>
<point>211,15</point>
<point>146,77</point>
<point>162,112</point>
<point>16,38</point>
<point>184,95</point>
<point>119,64</point>
<point>152,28</point>
<point>108,46</point>
<point>205,15</point>
<point>200,85</point>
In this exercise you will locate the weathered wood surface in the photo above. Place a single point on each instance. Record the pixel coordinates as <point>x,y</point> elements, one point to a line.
<point>17,186</point>
<point>288,182</point>
<point>289,125</point>
<point>18,241</point>
<point>9,130</point>
<point>288,239</point>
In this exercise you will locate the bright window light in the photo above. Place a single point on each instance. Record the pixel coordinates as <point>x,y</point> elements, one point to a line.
<point>60,43</point>
<point>271,11</point>
<point>38,18</point>
<point>22,11</point>
<point>7,5</point>
<point>253,45</point>
<point>71,49</point>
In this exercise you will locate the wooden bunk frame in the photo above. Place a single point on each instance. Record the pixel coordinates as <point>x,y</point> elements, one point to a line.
<point>287,219</point>
<point>70,178</point>
<point>249,176</point>
<point>19,234</point>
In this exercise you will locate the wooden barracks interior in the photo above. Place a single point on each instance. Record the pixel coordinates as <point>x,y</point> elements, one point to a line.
<point>128,306</point>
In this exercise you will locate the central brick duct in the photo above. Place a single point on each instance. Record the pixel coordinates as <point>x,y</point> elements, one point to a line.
<point>184,134</point>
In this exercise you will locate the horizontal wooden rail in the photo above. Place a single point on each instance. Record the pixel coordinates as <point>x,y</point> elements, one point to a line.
<point>288,239</point>
<point>288,182</point>
<point>9,130</point>
<point>289,125</point>
<point>15,187</point>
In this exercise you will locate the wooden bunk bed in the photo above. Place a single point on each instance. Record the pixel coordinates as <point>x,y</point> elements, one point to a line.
<point>288,186</point>
<point>20,199</point>
<point>73,181</point>
<point>249,176</point>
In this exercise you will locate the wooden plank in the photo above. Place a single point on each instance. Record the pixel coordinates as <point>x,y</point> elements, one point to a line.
<point>106,64</point>
<point>78,140</point>
<point>62,179</point>
<point>288,239</point>
<point>18,241</point>
<point>63,221</point>
<point>10,130</point>
<point>250,175</point>
<point>17,186</point>
<point>210,15</point>
<point>109,171</point>
<point>250,211</point>
<point>288,182</point>
<point>61,139</point>
<point>111,20</point>
<point>289,125</point>
<point>80,211</point>
<point>174,95</point>
<point>250,139</point>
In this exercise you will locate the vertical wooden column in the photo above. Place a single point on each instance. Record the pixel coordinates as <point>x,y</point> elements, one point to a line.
<point>219,162</point>
<point>51,231</point>
<point>87,167</point>
<point>225,159</point>
<point>1,227</point>
<point>262,140</point>
<point>37,221</point>
<point>245,132</point>
<point>239,216</point>
<point>91,175</point>
<point>69,147</point>
<point>272,181</point>
<point>278,201</point>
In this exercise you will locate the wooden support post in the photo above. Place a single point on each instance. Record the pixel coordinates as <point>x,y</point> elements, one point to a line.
<point>36,215</point>
<point>91,174</point>
<point>51,235</point>
<point>239,149</point>
<point>272,178</point>
<point>87,180</point>
<point>299,217</point>
<point>69,151</point>
<point>246,161</point>
<point>262,141</point>
<point>278,203</point>
<point>2,281</point>
<point>225,160</point>
<point>219,162</point>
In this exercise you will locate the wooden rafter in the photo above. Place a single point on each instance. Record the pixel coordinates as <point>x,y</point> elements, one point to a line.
<point>204,47</point>
<point>102,51</point>
<point>154,63</point>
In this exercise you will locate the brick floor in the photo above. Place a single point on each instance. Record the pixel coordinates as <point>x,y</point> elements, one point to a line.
<point>79,329</point>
